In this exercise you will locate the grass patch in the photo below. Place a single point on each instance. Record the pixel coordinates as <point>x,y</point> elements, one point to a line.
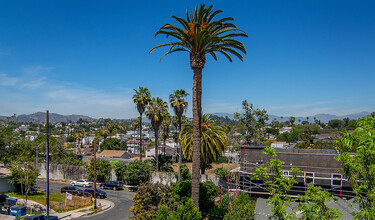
<point>57,200</point>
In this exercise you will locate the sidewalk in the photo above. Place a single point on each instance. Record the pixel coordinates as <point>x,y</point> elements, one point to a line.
<point>105,205</point>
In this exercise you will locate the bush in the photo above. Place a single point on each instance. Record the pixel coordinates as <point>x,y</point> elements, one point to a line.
<point>185,173</point>
<point>185,211</point>
<point>222,173</point>
<point>113,144</point>
<point>149,197</point>
<point>137,172</point>
<point>120,169</point>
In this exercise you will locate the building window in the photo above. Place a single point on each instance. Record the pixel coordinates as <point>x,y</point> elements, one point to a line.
<point>309,177</point>
<point>336,179</point>
<point>260,162</point>
<point>286,172</point>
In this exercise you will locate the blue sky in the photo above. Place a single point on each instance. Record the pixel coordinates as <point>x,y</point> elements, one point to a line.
<point>86,57</point>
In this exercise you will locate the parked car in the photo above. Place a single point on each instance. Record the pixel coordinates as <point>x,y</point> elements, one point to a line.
<point>99,193</point>
<point>83,183</point>
<point>40,217</point>
<point>111,185</point>
<point>132,188</point>
<point>72,190</point>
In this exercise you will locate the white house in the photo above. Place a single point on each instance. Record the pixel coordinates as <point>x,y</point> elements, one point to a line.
<point>150,151</point>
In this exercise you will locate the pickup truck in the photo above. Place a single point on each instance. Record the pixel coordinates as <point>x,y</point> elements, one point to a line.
<point>83,183</point>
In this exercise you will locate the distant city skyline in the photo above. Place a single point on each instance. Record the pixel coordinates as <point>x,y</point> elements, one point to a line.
<point>78,57</point>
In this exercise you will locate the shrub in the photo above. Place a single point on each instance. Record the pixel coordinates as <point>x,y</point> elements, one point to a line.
<point>137,172</point>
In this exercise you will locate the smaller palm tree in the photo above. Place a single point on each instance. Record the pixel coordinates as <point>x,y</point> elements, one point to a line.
<point>213,141</point>
<point>141,98</point>
<point>165,163</point>
<point>156,111</point>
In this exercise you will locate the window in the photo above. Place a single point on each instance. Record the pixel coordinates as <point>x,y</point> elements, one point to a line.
<point>336,179</point>
<point>286,172</point>
<point>260,162</point>
<point>309,178</point>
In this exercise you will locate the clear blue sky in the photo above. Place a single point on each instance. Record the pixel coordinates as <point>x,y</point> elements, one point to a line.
<point>86,57</point>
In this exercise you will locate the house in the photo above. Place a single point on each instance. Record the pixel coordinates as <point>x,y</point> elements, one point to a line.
<point>318,166</point>
<point>114,155</point>
<point>133,145</point>
<point>150,151</point>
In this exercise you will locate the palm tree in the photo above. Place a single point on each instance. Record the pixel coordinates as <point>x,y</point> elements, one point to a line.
<point>141,98</point>
<point>165,163</point>
<point>179,106</point>
<point>201,35</point>
<point>292,120</point>
<point>105,132</point>
<point>165,129</point>
<point>156,111</point>
<point>213,141</point>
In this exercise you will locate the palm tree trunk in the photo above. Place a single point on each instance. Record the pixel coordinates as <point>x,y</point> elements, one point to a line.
<point>179,149</point>
<point>156,149</point>
<point>164,146</point>
<point>197,110</point>
<point>140,137</point>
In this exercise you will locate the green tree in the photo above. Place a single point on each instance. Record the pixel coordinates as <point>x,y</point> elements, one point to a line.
<point>157,110</point>
<point>254,119</point>
<point>141,98</point>
<point>336,123</point>
<point>185,173</point>
<point>222,173</point>
<point>360,167</point>
<point>198,36</point>
<point>148,198</point>
<point>292,120</point>
<point>242,209</point>
<point>137,172</point>
<point>213,141</point>
<point>103,170</point>
<point>165,163</point>
<point>277,184</point>
<point>113,144</point>
<point>313,205</point>
<point>179,105</point>
<point>120,170</point>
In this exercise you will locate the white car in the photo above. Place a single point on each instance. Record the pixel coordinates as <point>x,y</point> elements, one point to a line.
<point>83,183</point>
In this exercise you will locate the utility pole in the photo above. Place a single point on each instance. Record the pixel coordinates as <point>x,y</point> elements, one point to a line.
<point>47,162</point>
<point>95,174</point>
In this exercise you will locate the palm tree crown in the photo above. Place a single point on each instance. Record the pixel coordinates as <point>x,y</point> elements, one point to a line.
<point>178,102</point>
<point>200,35</point>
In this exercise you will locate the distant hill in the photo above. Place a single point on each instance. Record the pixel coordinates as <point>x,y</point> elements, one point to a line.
<point>322,117</point>
<point>40,117</point>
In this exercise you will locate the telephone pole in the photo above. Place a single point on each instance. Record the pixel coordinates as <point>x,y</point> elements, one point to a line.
<point>47,162</point>
<point>95,174</point>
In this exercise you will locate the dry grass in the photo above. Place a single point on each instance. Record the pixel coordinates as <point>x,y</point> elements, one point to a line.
<point>57,201</point>
<point>211,170</point>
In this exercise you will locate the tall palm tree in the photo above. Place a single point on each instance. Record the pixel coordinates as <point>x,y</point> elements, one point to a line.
<point>292,120</point>
<point>201,35</point>
<point>156,111</point>
<point>179,106</point>
<point>165,129</point>
<point>141,98</point>
<point>214,140</point>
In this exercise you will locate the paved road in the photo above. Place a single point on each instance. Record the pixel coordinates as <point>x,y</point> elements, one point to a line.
<point>122,199</point>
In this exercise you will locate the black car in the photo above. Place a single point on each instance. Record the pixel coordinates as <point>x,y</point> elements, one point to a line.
<point>111,185</point>
<point>40,217</point>
<point>99,193</point>
<point>72,190</point>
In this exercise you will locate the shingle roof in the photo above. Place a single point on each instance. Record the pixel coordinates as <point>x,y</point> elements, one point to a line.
<point>111,153</point>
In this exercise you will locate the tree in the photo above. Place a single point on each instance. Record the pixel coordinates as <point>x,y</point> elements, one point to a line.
<point>292,120</point>
<point>201,35</point>
<point>141,98</point>
<point>120,169</point>
<point>359,168</point>
<point>336,123</point>
<point>137,172</point>
<point>165,163</point>
<point>254,119</point>
<point>179,106</point>
<point>103,170</point>
<point>277,184</point>
<point>313,205</point>
<point>113,144</point>
<point>242,209</point>
<point>156,112</point>
<point>213,141</point>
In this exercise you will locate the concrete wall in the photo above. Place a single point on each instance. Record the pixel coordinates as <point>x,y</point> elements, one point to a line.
<point>5,186</point>
<point>168,178</point>
<point>62,172</point>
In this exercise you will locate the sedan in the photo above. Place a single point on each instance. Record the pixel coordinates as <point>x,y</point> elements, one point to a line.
<point>111,185</point>
<point>99,193</point>
<point>72,190</point>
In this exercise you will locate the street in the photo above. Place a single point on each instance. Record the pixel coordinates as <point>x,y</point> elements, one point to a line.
<point>123,200</point>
